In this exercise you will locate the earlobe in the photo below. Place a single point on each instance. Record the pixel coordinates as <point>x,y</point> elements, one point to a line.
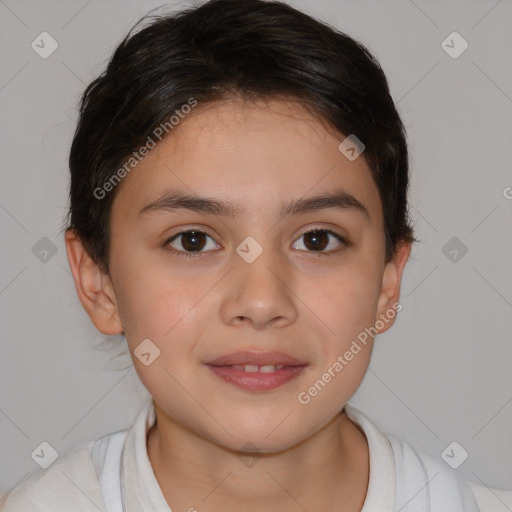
<point>390,291</point>
<point>94,288</point>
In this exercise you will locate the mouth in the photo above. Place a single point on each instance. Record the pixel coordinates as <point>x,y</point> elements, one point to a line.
<point>257,371</point>
<point>253,368</point>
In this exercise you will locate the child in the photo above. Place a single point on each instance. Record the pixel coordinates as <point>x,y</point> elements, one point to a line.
<point>219,148</point>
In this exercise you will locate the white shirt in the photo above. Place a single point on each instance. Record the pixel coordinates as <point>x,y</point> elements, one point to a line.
<point>114,474</point>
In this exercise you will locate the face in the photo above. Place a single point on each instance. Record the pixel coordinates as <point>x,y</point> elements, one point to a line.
<point>200,283</point>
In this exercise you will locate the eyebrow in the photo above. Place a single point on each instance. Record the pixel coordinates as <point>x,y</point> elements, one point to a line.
<point>173,200</point>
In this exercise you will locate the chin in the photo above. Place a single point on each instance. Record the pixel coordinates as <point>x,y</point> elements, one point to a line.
<point>269,435</point>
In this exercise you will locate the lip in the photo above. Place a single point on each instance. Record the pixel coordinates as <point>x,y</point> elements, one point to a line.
<point>256,358</point>
<point>256,381</point>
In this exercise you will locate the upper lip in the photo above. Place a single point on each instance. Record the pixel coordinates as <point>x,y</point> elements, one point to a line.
<point>256,358</point>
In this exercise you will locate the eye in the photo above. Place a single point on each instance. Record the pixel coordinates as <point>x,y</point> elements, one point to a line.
<point>317,240</point>
<point>191,241</point>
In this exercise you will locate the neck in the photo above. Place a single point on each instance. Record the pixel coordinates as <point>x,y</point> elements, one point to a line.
<point>329,468</point>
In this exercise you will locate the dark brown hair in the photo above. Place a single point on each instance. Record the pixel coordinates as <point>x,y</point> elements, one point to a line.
<point>224,48</point>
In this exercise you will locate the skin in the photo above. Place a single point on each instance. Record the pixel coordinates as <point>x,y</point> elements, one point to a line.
<point>290,299</point>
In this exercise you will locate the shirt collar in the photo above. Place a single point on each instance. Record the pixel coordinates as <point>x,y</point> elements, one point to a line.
<point>140,489</point>
<point>382,482</point>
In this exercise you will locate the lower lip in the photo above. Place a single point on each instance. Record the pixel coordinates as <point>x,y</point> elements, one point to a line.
<point>256,381</point>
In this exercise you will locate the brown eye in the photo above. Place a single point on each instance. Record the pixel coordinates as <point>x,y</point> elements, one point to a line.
<point>190,241</point>
<point>318,240</point>
<point>193,240</point>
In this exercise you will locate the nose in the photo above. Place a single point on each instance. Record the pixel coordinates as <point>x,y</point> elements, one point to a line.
<point>260,293</point>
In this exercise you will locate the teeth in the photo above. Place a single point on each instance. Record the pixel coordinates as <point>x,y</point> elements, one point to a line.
<point>252,368</point>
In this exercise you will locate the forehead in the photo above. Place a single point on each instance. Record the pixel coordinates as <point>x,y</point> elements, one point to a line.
<point>252,154</point>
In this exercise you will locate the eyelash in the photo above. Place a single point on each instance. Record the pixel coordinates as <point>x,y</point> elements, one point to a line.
<point>313,253</point>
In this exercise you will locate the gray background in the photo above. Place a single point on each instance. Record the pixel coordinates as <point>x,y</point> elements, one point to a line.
<point>441,374</point>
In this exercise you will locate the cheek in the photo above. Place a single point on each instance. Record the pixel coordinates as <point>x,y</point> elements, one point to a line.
<point>166,312</point>
<point>163,306</point>
<point>347,302</point>
<point>148,303</point>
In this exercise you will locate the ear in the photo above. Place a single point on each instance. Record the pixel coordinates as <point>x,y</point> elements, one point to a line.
<point>93,286</point>
<point>390,289</point>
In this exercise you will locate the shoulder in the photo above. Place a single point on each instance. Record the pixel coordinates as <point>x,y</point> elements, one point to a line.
<point>446,488</point>
<point>490,499</point>
<point>70,483</point>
